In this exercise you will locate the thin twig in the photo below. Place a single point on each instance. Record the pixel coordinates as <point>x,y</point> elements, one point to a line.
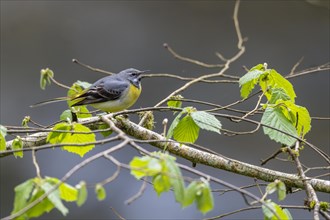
<point>312,197</point>
<point>59,84</point>
<point>273,156</point>
<point>295,66</point>
<point>35,163</point>
<point>189,60</point>
<point>117,214</point>
<point>138,194</point>
<point>91,68</point>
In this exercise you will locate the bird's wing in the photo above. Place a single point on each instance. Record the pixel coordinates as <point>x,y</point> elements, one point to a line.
<point>102,91</point>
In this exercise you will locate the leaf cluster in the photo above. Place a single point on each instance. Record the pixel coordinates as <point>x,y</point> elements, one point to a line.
<point>283,120</point>
<point>166,174</point>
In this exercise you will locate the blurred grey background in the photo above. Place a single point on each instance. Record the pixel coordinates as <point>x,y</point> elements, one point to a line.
<point>114,35</point>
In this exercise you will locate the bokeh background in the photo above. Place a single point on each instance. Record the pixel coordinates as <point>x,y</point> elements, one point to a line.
<point>114,35</point>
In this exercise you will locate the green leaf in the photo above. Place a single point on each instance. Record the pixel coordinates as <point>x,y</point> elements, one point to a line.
<point>191,193</point>
<point>81,111</point>
<point>2,142</point>
<point>174,124</point>
<point>278,186</point>
<point>281,191</point>
<point>250,79</point>
<point>176,103</point>
<point>66,115</point>
<point>3,133</point>
<point>100,192</point>
<point>25,121</point>
<point>72,138</point>
<point>17,144</point>
<point>3,130</point>
<point>275,80</point>
<point>269,215</point>
<point>54,197</point>
<point>103,127</point>
<point>271,187</point>
<point>274,118</point>
<point>301,116</point>
<point>206,121</point>
<point>44,206</point>
<point>145,166</point>
<point>186,130</point>
<point>82,193</point>
<point>68,193</point>
<point>204,198</point>
<point>161,183</point>
<point>74,91</point>
<point>278,81</point>
<point>288,214</point>
<point>83,85</point>
<point>23,193</point>
<point>26,193</point>
<point>175,179</point>
<point>278,94</point>
<point>45,75</point>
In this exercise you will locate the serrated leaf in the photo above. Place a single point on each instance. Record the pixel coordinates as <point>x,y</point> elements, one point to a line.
<point>186,130</point>
<point>176,103</point>
<point>281,191</point>
<point>301,116</point>
<point>250,79</point>
<point>68,193</point>
<point>54,197</point>
<point>2,142</point>
<point>206,121</point>
<point>161,183</point>
<point>57,137</point>
<point>138,164</point>
<point>175,179</point>
<point>45,75</point>
<point>271,187</point>
<point>191,193</point>
<point>82,193</point>
<point>66,115</point>
<point>23,193</point>
<point>100,192</point>
<point>72,138</point>
<point>145,166</point>
<point>276,80</point>
<point>274,118</point>
<point>174,124</point>
<point>17,144</point>
<point>269,215</point>
<point>44,206</point>
<point>278,94</point>
<point>204,200</point>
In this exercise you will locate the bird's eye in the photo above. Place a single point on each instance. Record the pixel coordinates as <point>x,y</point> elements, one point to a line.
<point>134,74</point>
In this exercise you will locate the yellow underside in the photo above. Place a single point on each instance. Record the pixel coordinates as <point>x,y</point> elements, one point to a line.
<point>127,99</point>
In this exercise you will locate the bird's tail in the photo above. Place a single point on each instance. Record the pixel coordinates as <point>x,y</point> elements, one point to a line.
<point>59,99</point>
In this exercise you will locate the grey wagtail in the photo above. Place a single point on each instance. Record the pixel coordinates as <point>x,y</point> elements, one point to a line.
<point>110,94</point>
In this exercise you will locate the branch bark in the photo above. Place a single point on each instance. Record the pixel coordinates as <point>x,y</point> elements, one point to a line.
<point>191,154</point>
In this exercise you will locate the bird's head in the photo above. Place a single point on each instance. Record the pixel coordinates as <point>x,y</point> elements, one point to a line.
<point>132,75</point>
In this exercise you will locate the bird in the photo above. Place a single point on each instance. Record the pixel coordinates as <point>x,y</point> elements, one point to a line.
<point>112,93</point>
